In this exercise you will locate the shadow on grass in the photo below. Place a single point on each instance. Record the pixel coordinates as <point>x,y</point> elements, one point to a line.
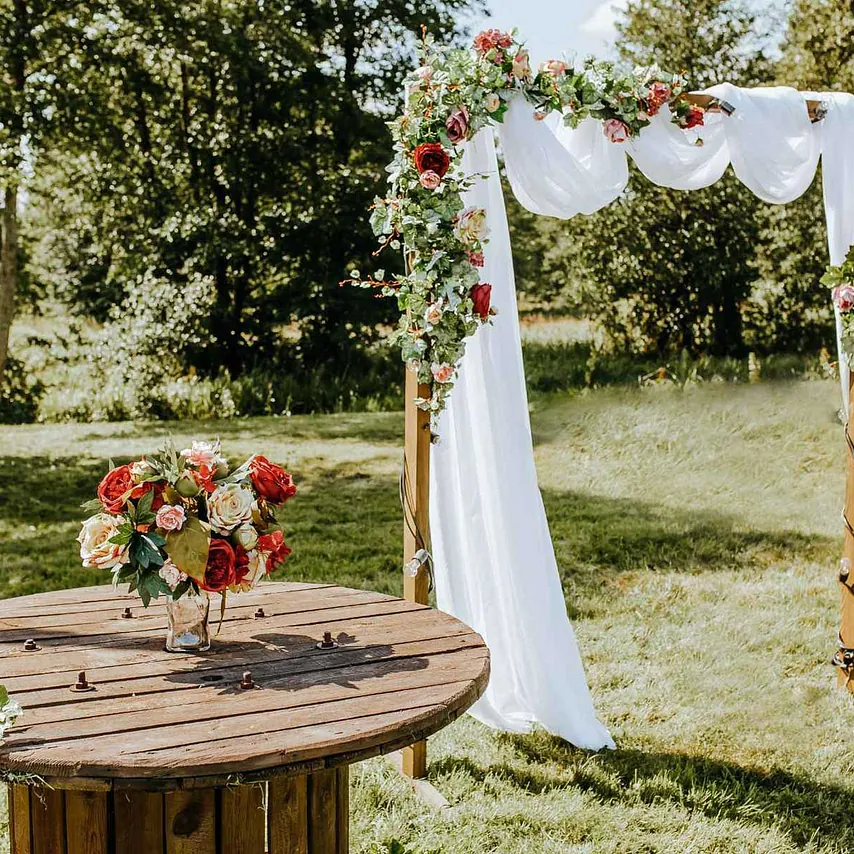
<point>345,527</point>
<point>802,808</point>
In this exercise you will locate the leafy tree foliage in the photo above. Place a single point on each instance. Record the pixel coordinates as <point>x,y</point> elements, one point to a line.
<point>228,150</point>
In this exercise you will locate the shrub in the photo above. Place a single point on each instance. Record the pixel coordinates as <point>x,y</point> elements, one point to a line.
<point>20,394</point>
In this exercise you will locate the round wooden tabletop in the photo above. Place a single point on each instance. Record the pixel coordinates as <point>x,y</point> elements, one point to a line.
<point>399,672</point>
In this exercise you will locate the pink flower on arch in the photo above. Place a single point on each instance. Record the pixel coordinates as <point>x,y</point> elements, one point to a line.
<point>843,298</point>
<point>616,131</point>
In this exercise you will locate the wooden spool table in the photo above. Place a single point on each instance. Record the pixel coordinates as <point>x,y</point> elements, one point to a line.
<point>167,754</point>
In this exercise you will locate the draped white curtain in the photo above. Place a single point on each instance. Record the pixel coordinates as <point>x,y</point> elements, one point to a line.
<point>495,565</point>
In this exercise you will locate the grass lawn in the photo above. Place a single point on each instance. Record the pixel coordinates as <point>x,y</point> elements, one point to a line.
<point>697,533</point>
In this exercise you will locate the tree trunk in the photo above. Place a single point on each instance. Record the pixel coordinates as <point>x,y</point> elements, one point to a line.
<point>8,271</point>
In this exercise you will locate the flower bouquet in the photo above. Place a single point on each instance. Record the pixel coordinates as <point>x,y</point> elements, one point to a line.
<point>184,525</point>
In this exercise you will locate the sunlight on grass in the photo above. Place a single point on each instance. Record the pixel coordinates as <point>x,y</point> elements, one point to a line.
<point>697,534</point>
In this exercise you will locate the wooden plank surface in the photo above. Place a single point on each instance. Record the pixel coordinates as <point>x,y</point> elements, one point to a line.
<point>399,668</point>
<point>242,821</point>
<point>86,823</point>
<point>140,822</point>
<point>288,815</point>
<point>191,822</point>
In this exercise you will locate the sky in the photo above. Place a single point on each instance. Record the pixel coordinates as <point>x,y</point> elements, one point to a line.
<point>554,28</point>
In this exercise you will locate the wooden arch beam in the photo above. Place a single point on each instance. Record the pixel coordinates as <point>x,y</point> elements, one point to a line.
<point>816,109</point>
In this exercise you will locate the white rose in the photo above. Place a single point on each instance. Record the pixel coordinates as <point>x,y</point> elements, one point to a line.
<point>246,536</point>
<point>471,226</point>
<point>171,574</point>
<point>492,102</point>
<point>229,506</point>
<point>434,313</point>
<point>257,567</point>
<point>96,550</point>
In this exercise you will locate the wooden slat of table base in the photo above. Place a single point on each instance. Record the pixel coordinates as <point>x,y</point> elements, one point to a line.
<point>47,814</point>
<point>343,808</point>
<point>268,642</point>
<point>241,817</point>
<point>139,822</point>
<point>322,797</point>
<point>280,689</point>
<point>287,827</point>
<point>191,822</point>
<point>86,823</point>
<point>19,819</point>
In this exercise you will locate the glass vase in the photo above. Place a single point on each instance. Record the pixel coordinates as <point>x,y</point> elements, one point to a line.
<point>188,624</point>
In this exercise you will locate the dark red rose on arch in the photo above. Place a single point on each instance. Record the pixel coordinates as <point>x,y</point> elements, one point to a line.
<point>221,569</point>
<point>432,157</point>
<point>271,482</point>
<point>481,296</point>
<point>277,550</point>
<point>116,488</point>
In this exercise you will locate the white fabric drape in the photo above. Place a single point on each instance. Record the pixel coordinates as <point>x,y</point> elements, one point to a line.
<point>495,565</point>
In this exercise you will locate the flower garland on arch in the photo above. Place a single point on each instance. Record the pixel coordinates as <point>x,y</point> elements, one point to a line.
<point>841,281</point>
<point>450,97</point>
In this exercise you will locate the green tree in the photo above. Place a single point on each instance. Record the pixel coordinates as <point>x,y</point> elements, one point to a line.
<point>231,150</point>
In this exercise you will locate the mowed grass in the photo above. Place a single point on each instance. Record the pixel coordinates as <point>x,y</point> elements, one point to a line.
<point>697,533</point>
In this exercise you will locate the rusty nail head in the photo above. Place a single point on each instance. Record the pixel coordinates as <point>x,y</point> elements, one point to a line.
<point>127,614</point>
<point>30,645</point>
<point>327,642</point>
<point>247,683</point>
<point>259,614</point>
<point>82,683</point>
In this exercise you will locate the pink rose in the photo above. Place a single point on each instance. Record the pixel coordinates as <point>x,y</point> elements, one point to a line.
<point>659,95</point>
<point>475,258</point>
<point>429,180</point>
<point>457,125</point>
<point>442,373</point>
<point>488,39</point>
<point>539,115</point>
<point>425,73</point>
<point>555,67</point>
<point>843,297</point>
<point>616,130</point>
<point>171,517</point>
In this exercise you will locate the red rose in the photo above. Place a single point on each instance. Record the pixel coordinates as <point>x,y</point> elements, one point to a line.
<point>488,39</point>
<point>115,489</point>
<point>457,125</point>
<point>143,488</point>
<point>659,95</point>
<point>431,157</point>
<point>241,563</point>
<point>696,116</point>
<point>278,551</point>
<point>271,482</point>
<point>221,569</point>
<point>481,295</point>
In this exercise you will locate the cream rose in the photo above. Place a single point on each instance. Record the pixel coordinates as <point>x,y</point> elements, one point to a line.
<point>96,550</point>
<point>228,507</point>
<point>471,226</point>
<point>492,102</point>
<point>257,568</point>
<point>442,373</point>
<point>246,536</point>
<point>521,66</point>
<point>171,574</point>
<point>434,313</point>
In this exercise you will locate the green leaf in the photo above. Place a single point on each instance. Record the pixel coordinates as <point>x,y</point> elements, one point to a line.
<point>188,548</point>
<point>92,506</point>
<point>143,508</point>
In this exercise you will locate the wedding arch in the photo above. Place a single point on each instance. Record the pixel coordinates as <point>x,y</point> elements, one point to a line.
<point>473,510</point>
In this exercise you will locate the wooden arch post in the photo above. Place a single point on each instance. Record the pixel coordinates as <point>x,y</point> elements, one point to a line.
<point>415,491</point>
<point>844,658</point>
